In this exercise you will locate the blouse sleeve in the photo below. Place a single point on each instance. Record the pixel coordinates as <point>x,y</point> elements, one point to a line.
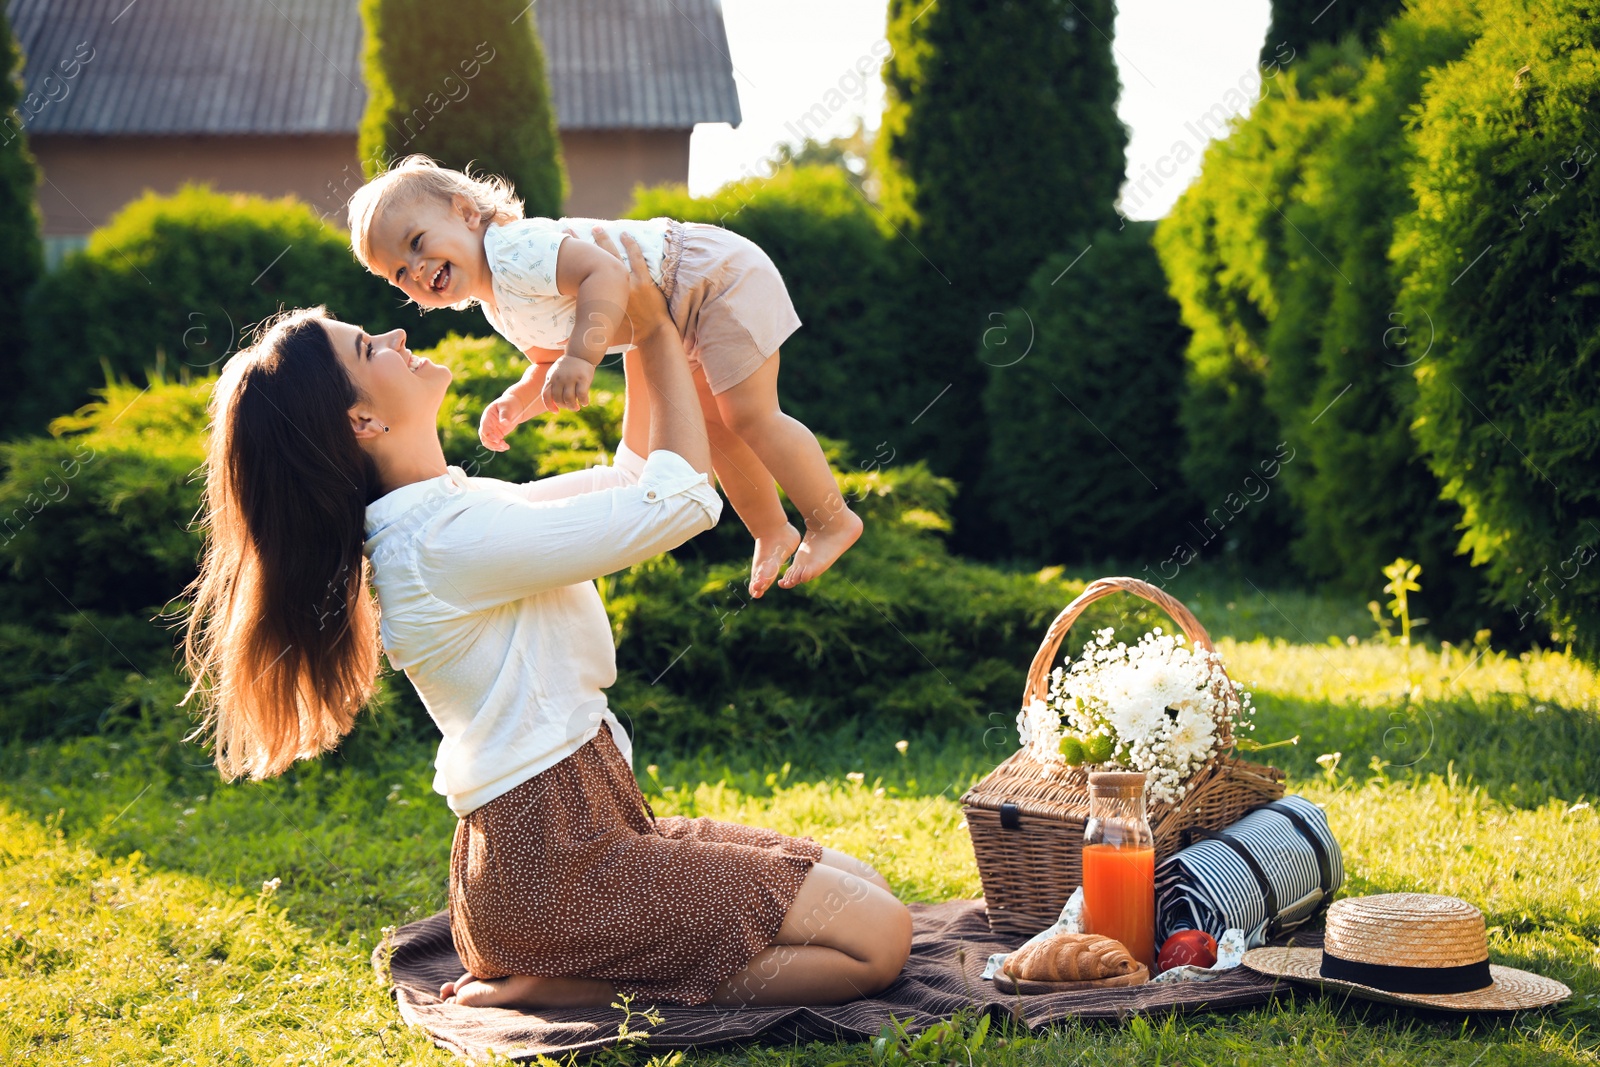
<point>522,256</point>
<point>504,548</point>
<point>626,467</point>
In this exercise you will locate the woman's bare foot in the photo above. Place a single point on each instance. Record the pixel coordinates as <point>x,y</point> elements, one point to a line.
<point>528,991</point>
<point>821,547</point>
<point>770,554</point>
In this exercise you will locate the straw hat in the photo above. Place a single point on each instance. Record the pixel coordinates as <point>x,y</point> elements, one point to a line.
<point>1410,948</point>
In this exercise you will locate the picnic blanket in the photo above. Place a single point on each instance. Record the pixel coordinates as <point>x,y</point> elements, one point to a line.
<point>951,941</point>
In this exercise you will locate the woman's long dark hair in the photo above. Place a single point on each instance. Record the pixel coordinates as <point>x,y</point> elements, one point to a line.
<point>282,641</point>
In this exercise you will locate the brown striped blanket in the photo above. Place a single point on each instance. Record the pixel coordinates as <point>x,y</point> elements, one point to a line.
<point>952,940</point>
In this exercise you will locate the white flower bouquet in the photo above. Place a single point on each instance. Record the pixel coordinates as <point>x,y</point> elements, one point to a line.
<point>1153,707</point>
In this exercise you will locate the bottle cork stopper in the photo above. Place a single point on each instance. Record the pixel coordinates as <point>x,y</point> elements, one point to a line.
<point>1116,783</point>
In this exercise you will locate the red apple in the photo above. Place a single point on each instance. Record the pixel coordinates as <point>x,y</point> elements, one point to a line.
<point>1188,948</point>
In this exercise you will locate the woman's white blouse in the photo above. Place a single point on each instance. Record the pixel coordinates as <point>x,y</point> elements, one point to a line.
<point>489,606</point>
<point>528,310</point>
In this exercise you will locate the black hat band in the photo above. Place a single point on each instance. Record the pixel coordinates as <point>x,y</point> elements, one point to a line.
<point>1391,979</point>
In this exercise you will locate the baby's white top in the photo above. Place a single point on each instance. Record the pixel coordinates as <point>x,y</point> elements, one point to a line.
<point>527,309</point>
<point>488,604</point>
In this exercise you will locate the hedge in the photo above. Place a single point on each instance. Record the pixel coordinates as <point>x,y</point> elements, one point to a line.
<point>1280,253</point>
<point>899,633</point>
<point>1340,355</point>
<point>178,281</point>
<point>1501,255</point>
<point>1223,247</point>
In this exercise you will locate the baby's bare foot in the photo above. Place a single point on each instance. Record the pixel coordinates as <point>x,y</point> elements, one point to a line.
<point>821,547</point>
<point>771,551</point>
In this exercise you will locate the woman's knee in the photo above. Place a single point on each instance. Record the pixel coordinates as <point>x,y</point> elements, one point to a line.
<point>838,909</point>
<point>893,948</point>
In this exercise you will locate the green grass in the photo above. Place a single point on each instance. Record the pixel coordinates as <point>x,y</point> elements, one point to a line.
<point>134,927</point>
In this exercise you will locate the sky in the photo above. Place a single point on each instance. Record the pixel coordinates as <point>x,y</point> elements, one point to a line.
<point>1177,62</point>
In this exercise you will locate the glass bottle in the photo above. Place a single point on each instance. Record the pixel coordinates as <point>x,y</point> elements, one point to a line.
<point>1119,864</point>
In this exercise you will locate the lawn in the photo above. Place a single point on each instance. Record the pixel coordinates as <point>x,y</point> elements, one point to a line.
<point>151,914</point>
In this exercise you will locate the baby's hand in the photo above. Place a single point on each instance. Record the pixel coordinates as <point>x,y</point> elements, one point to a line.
<point>499,419</point>
<point>567,384</point>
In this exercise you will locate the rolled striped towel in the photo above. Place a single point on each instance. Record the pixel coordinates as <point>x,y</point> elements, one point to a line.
<point>1266,874</point>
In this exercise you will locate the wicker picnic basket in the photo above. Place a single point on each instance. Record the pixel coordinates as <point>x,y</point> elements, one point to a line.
<point>1026,818</point>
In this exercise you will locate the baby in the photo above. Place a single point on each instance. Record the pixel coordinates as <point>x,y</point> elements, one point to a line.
<point>449,239</point>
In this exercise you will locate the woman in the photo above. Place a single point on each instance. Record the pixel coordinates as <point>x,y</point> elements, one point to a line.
<point>324,468</point>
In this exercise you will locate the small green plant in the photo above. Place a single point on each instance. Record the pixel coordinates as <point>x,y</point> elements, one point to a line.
<point>1247,744</point>
<point>628,1039</point>
<point>626,1035</point>
<point>1402,575</point>
<point>947,1041</point>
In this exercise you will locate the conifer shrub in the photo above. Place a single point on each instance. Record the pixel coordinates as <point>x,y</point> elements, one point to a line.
<point>1340,358</point>
<point>1298,24</point>
<point>1500,255</point>
<point>1223,247</point>
<point>100,540</point>
<point>1281,255</point>
<point>1082,403</point>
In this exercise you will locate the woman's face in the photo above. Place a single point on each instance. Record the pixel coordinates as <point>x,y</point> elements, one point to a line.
<point>398,389</point>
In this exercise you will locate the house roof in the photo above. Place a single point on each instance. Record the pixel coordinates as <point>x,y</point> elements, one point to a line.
<point>294,66</point>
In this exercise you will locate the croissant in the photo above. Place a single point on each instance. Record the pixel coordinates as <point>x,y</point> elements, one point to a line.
<point>1071,958</point>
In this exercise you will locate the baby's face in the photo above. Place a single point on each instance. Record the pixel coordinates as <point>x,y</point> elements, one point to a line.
<point>429,249</point>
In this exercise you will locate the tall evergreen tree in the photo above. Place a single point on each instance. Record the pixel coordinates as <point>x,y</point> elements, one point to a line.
<point>21,258</point>
<point>1298,24</point>
<point>1084,440</point>
<point>464,83</point>
<point>1000,146</point>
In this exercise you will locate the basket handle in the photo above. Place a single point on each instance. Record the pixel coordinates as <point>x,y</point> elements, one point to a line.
<point>1039,672</point>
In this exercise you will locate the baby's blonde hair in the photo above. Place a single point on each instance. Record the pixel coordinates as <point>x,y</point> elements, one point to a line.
<point>415,177</point>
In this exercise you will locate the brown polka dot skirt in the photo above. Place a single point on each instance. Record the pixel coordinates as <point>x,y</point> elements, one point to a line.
<point>571,874</point>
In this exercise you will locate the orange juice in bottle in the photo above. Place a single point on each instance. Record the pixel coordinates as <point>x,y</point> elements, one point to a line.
<point>1119,864</point>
